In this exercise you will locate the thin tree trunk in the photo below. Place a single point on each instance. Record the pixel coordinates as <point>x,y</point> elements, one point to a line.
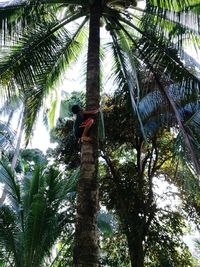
<point>136,251</point>
<point>10,117</point>
<point>133,234</point>
<point>19,139</point>
<point>86,247</point>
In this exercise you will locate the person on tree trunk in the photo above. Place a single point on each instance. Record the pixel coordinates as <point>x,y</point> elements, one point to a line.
<point>82,123</point>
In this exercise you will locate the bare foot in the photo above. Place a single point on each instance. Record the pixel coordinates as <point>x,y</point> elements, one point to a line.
<point>86,138</point>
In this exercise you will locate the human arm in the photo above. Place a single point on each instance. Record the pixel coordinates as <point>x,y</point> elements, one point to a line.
<point>88,112</point>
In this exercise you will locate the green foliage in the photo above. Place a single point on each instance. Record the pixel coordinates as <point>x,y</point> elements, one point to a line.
<point>7,136</point>
<point>27,160</point>
<point>68,148</point>
<point>115,251</point>
<point>165,245</point>
<point>127,185</point>
<point>33,217</point>
<point>188,184</point>
<point>75,98</point>
<point>72,182</point>
<point>128,190</point>
<point>106,223</point>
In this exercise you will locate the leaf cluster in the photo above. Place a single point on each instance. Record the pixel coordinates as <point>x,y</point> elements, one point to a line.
<point>33,217</point>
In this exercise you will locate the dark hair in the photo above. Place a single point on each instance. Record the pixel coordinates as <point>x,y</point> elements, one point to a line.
<point>75,109</point>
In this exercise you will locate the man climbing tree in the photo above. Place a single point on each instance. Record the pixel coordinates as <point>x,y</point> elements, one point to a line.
<point>82,123</point>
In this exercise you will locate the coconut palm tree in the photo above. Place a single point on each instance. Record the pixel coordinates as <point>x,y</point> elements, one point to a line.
<point>40,40</point>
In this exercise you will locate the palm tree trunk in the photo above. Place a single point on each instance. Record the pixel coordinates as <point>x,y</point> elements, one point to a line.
<point>86,248</point>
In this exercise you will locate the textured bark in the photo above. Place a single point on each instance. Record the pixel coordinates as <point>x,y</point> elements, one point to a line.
<point>86,248</point>
<point>134,230</point>
<point>86,238</point>
<point>136,251</point>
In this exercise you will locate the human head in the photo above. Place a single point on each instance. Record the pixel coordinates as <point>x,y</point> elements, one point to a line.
<point>76,109</point>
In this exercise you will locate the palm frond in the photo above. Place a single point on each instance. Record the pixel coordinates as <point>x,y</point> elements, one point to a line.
<point>159,51</point>
<point>35,184</point>
<point>150,103</point>
<point>15,18</point>
<point>36,214</point>
<point>12,188</point>
<point>106,223</point>
<point>184,19</point>
<point>10,105</point>
<point>175,5</point>
<point>7,136</point>
<point>156,113</point>
<point>190,83</point>
<point>154,103</point>
<point>44,222</point>
<point>126,71</point>
<point>159,47</point>
<point>37,71</point>
<point>62,257</point>
<point>29,238</point>
<point>193,125</point>
<point>177,29</point>
<point>72,181</point>
<point>35,224</point>
<point>34,53</point>
<point>56,192</point>
<point>9,232</point>
<point>9,19</point>
<point>54,101</point>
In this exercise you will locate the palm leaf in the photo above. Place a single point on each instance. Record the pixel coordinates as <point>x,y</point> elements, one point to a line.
<point>43,69</point>
<point>9,232</point>
<point>189,82</point>
<point>12,189</point>
<point>72,181</point>
<point>126,72</point>
<point>43,221</point>
<point>182,20</point>
<point>16,18</point>
<point>35,224</point>
<point>175,5</point>
<point>34,53</point>
<point>7,136</point>
<point>106,223</point>
<point>53,106</point>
